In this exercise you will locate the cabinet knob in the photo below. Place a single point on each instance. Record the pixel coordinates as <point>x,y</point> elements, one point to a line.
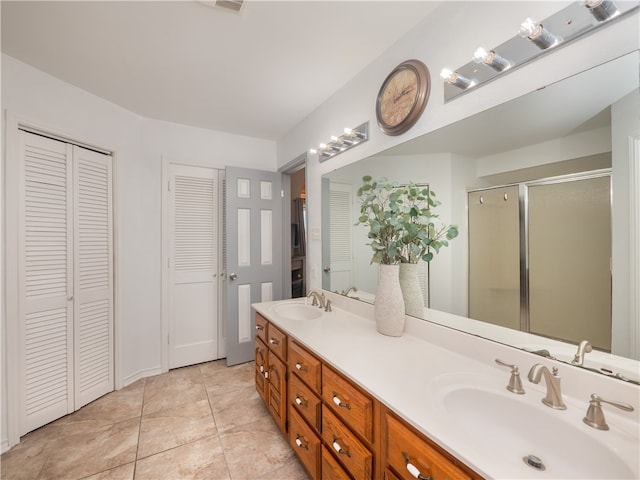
<point>273,341</point>
<point>413,470</point>
<point>301,367</point>
<point>339,402</point>
<point>300,402</point>
<point>301,444</point>
<point>338,448</point>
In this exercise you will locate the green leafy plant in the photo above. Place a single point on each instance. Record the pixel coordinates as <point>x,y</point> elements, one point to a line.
<point>423,233</point>
<point>402,225</point>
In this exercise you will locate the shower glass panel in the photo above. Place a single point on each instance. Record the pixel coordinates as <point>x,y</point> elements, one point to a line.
<point>494,256</point>
<point>569,247</point>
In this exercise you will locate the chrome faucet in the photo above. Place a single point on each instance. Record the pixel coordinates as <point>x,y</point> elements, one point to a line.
<point>317,299</point>
<point>553,398</point>
<point>583,347</point>
<point>347,291</point>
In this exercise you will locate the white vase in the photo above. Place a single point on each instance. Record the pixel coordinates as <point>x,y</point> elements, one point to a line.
<point>411,291</point>
<point>389,304</point>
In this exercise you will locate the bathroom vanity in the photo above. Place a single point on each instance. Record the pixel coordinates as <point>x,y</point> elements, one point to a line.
<point>430,404</point>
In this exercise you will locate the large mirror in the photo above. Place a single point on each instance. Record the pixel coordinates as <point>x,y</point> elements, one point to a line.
<point>575,128</point>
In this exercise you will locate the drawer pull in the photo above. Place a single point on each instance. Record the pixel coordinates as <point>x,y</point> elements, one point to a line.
<point>266,374</point>
<point>259,327</point>
<point>300,443</point>
<point>300,402</point>
<point>261,368</point>
<point>339,402</point>
<point>412,469</point>
<point>339,449</point>
<point>273,341</point>
<point>301,367</point>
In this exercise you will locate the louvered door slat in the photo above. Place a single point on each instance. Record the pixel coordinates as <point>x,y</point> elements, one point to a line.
<point>93,276</point>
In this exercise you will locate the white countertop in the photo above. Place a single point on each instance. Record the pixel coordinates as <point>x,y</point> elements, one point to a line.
<point>409,373</point>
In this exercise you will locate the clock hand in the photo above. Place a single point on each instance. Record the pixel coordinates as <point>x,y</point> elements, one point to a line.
<point>404,92</point>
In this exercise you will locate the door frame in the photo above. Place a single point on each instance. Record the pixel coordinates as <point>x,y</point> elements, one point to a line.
<point>9,215</point>
<point>287,169</point>
<point>165,253</point>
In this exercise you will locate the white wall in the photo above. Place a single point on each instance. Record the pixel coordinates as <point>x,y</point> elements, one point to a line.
<point>40,100</point>
<point>448,37</point>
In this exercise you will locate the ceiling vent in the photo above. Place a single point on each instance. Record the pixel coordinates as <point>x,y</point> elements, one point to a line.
<point>232,5</point>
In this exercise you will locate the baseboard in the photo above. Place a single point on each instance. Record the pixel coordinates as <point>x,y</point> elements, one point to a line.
<point>4,446</point>
<point>134,377</point>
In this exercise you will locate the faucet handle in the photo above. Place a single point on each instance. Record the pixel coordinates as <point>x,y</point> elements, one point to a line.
<point>595,416</point>
<point>327,306</point>
<point>515,384</point>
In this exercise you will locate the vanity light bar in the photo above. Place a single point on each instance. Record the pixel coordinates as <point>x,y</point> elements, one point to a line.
<point>338,144</point>
<point>535,39</point>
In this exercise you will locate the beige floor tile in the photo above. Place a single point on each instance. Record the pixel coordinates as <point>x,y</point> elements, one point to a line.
<point>255,449</point>
<point>292,470</point>
<point>170,428</point>
<point>225,380</point>
<point>237,407</point>
<point>209,368</point>
<point>170,390</point>
<point>80,455</point>
<point>25,460</point>
<point>203,459</point>
<point>123,472</point>
<point>118,406</point>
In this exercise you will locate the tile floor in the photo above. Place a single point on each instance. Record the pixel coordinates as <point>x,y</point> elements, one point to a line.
<point>200,422</point>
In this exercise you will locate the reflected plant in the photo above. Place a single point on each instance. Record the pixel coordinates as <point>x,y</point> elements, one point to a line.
<point>402,225</point>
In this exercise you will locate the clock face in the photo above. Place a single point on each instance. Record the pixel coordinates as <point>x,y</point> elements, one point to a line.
<point>399,95</point>
<point>403,97</point>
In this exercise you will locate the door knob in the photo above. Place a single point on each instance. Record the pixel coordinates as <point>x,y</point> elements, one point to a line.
<point>233,276</point>
<point>327,269</point>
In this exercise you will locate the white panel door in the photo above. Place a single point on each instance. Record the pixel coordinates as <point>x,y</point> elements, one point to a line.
<point>254,246</point>
<point>45,289</point>
<point>93,275</point>
<point>193,265</point>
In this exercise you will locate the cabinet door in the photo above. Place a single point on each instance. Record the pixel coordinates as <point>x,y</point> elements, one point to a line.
<point>352,453</point>
<point>331,470</point>
<point>261,369</point>
<point>277,398</point>
<point>410,455</point>
<point>305,443</point>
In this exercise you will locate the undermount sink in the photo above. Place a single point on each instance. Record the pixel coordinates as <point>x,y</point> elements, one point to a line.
<point>526,439</point>
<point>297,311</point>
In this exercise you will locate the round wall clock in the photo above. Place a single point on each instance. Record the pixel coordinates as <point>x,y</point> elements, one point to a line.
<point>402,97</point>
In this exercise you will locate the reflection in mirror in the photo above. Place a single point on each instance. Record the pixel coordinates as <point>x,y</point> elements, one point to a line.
<point>567,128</point>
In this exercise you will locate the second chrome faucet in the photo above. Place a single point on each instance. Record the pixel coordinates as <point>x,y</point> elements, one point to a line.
<point>553,398</point>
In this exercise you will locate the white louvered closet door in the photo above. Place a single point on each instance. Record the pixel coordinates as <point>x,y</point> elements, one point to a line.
<point>193,265</point>
<point>45,289</point>
<point>65,304</point>
<point>340,236</point>
<point>93,276</point>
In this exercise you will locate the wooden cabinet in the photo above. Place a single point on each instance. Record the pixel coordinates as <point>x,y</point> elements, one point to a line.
<point>337,429</point>
<point>408,454</point>
<point>271,369</point>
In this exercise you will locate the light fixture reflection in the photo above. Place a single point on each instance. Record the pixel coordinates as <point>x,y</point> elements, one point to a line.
<point>454,78</point>
<point>338,144</point>
<point>491,59</point>
<point>536,32</point>
<point>602,9</point>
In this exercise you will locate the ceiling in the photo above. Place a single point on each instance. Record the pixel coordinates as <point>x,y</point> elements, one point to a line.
<point>257,73</point>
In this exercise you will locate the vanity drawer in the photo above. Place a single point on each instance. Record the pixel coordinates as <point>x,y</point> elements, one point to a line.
<point>331,469</point>
<point>305,444</point>
<point>304,401</point>
<point>261,327</point>
<point>349,403</point>
<point>305,365</point>
<point>356,458</point>
<point>407,451</point>
<point>277,342</point>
